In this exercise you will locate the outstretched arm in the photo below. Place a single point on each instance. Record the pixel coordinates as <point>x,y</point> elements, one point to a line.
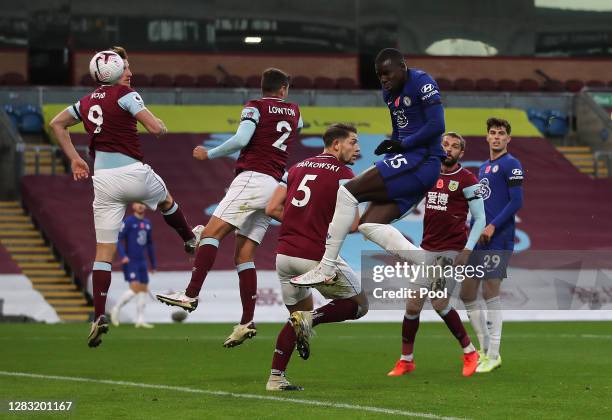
<point>434,127</point>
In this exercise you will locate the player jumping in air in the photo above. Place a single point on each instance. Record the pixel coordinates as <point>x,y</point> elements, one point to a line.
<point>267,128</point>
<point>135,244</point>
<point>397,183</point>
<point>445,236</point>
<point>109,115</point>
<point>304,202</point>
<point>501,181</point>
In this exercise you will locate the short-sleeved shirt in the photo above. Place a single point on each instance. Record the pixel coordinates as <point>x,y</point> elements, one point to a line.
<point>446,210</point>
<point>108,114</point>
<point>312,186</point>
<point>497,177</point>
<point>277,125</point>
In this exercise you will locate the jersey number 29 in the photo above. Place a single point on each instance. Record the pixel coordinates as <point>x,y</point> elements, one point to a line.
<point>303,187</point>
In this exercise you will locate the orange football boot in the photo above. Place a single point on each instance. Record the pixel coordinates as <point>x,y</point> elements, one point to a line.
<point>402,367</point>
<point>470,362</point>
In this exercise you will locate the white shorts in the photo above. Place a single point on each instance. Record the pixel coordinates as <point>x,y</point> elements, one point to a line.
<point>115,188</point>
<point>430,261</point>
<point>347,283</point>
<point>244,204</point>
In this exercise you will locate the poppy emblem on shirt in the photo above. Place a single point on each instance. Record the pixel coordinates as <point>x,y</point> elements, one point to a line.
<point>397,101</point>
<point>488,169</point>
<point>453,185</point>
<point>440,183</point>
<point>142,225</point>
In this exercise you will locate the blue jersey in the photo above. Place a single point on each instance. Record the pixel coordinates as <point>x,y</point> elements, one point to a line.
<point>501,183</point>
<point>134,237</point>
<point>409,119</point>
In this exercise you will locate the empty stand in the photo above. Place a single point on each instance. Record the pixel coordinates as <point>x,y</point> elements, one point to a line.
<point>528,85</point>
<point>486,85</point>
<point>301,82</point>
<point>253,82</point>
<point>139,80</point>
<point>184,80</point>
<point>507,85</point>
<point>13,79</point>
<point>233,81</point>
<point>161,80</point>
<point>207,81</point>
<point>574,85</point>
<point>346,83</point>
<point>464,84</point>
<point>324,83</point>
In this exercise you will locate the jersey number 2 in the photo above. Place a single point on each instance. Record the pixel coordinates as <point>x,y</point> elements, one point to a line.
<point>303,187</point>
<point>97,120</point>
<point>280,143</point>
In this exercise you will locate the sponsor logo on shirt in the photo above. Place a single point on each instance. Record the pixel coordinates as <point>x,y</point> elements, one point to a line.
<point>437,200</point>
<point>400,117</point>
<point>517,172</point>
<point>485,188</point>
<point>427,88</point>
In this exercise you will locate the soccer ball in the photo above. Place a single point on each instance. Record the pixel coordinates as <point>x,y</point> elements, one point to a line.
<point>106,67</point>
<point>179,316</point>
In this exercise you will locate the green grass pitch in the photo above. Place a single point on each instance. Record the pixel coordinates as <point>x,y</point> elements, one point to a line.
<point>550,370</point>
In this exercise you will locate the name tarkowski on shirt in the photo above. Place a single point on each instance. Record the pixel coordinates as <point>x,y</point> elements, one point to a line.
<point>318,165</point>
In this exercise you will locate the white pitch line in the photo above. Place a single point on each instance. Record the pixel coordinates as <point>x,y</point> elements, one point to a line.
<point>316,403</point>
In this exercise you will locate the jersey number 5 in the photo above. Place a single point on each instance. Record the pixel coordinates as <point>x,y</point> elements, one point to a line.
<point>303,187</point>
<point>285,128</point>
<point>95,116</point>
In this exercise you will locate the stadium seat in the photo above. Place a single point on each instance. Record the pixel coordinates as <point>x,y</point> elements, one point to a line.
<point>346,83</point>
<point>139,80</point>
<point>13,79</point>
<point>161,80</point>
<point>207,81</point>
<point>322,82</point>
<point>574,85</point>
<point>507,85</point>
<point>13,115</point>
<point>444,84</point>
<point>301,82</point>
<point>253,82</point>
<point>86,80</point>
<point>558,125</point>
<point>595,83</point>
<point>464,84</point>
<point>539,119</point>
<point>486,85</point>
<point>30,120</point>
<point>184,80</point>
<point>610,84</point>
<point>233,81</point>
<point>528,85</point>
<point>553,86</point>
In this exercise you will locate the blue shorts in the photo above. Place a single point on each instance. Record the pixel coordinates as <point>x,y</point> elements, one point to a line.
<point>406,182</point>
<point>493,257</point>
<point>136,271</point>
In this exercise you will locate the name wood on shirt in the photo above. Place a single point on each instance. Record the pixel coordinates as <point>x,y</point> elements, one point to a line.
<point>281,110</point>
